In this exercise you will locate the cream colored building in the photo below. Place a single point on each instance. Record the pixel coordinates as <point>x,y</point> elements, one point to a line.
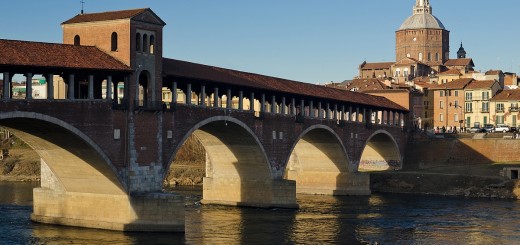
<point>477,107</point>
<point>504,107</point>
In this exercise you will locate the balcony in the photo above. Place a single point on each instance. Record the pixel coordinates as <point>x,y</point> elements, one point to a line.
<point>513,109</point>
<point>468,111</point>
<point>484,110</point>
<point>499,110</point>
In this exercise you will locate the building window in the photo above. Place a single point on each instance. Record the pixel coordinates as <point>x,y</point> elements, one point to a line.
<point>441,117</point>
<point>485,95</point>
<point>429,56</point>
<point>441,105</point>
<point>420,56</point>
<point>456,117</point>
<point>436,56</point>
<point>469,107</point>
<point>152,44</point>
<point>499,119</point>
<point>456,103</point>
<point>456,93</point>
<point>145,43</point>
<point>442,93</point>
<point>138,42</point>
<point>114,42</point>
<point>77,40</point>
<point>485,106</point>
<point>469,96</point>
<point>500,107</point>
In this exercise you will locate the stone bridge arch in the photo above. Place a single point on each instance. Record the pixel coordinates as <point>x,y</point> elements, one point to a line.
<point>319,164</point>
<point>75,161</point>
<point>237,167</point>
<point>381,152</point>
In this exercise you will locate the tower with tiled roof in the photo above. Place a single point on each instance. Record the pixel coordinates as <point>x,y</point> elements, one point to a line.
<point>132,36</point>
<point>423,37</point>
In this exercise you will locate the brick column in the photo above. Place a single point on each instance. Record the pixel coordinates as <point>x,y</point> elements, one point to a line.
<point>90,87</point>
<point>50,86</point>
<point>28,86</point>
<point>108,95</point>
<point>188,94</point>
<point>71,87</point>
<point>7,86</point>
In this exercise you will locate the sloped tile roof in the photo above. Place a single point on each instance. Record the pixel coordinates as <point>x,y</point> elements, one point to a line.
<point>505,95</point>
<point>480,84</point>
<point>368,84</point>
<point>377,66</point>
<point>455,84</point>
<point>460,62</point>
<point>178,68</point>
<point>450,72</point>
<point>111,15</point>
<point>51,55</point>
<point>493,72</point>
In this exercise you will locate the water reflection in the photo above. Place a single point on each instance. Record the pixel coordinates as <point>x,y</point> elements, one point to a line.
<point>386,219</point>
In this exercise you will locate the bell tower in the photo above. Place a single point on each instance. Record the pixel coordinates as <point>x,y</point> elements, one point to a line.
<point>134,37</point>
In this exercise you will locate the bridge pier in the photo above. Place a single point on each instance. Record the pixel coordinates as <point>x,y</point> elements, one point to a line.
<point>250,193</point>
<point>53,204</point>
<point>331,183</point>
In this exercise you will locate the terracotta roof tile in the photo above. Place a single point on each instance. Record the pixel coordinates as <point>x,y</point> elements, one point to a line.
<point>505,95</point>
<point>450,72</point>
<point>480,84</point>
<point>455,84</point>
<point>493,72</point>
<point>369,84</point>
<point>112,15</point>
<point>376,66</point>
<point>51,55</point>
<point>178,68</point>
<point>459,62</point>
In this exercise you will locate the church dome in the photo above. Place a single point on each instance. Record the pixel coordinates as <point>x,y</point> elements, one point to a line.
<point>422,21</point>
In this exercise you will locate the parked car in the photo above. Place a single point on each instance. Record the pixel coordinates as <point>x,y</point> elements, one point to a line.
<point>490,128</point>
<point>502,128</point>
<point>477,130</point>
<point>513,129</point>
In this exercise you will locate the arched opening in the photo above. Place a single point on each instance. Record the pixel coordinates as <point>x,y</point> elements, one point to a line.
<point>381,153</point>
<point>319,163</point>
<point>69,161</point>
<point>236,169</point>
<point>145,43</point>
<point>152,44</point>
<point>77,40</point>
<point>113,46</point>
<point>138,42</point>
<point>143,90</point>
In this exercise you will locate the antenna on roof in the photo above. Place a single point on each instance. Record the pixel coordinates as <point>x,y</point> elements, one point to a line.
<point>82,5</point>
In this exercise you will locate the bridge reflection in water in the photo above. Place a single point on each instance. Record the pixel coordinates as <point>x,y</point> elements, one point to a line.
<point>386,219</point>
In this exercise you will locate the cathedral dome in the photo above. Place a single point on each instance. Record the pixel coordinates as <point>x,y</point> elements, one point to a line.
<point>422,21</point>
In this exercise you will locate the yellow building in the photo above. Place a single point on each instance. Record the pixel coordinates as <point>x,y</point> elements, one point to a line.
<point>477,96</point>
<point>504,107</point>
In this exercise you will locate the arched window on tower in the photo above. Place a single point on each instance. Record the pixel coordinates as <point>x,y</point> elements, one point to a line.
<point>138,42</point>
<point>429,56</point>
<point>77,40</point>
<point>436,56</point>
<point>145,43</point>
<point>114,42</point>
<point>152,44</point>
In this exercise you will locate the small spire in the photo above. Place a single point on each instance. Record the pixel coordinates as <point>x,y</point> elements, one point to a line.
<point>461,54</point>
<point>82,5</point>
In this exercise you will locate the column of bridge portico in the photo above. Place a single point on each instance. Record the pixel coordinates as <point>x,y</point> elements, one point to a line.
<point>7,86</point>
<point>28,86</point>
<point>50,86</point>
<point>71,83</point>
<point>108,95</point>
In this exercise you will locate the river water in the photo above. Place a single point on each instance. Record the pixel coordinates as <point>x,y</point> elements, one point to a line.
<point>380,218</point>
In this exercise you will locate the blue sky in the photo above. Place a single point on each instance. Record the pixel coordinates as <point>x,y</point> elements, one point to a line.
<point>304,40</point>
